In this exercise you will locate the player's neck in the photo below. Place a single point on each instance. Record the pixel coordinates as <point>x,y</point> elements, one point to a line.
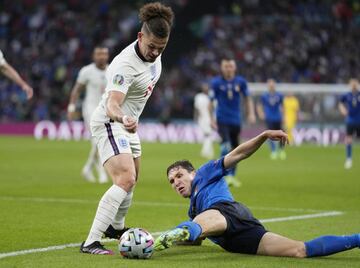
<point>138,52</point>
<point>228,78</point>
<point>100,66</point>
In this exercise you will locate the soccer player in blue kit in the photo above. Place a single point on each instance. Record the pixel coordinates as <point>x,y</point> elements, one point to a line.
<point>271,110</point>
<point>215,215</point>
<point>349,107</point>
<point>226,93</point>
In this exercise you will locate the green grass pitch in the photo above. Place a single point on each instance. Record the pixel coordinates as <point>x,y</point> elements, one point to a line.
<point>44,202</point>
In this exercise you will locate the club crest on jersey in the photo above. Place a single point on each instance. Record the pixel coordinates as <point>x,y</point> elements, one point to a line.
<point>123,143</point>
<point>118,79</point>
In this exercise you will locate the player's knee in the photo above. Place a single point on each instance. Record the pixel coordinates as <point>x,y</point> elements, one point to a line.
<point>125,178</point>
<point>299,251</point>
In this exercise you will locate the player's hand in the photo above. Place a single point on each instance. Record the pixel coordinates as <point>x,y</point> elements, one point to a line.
<point>130,123</point>
<point>168,238</point>
<point>277,135</point>
<point>213,124</point>
<point>28,90</point>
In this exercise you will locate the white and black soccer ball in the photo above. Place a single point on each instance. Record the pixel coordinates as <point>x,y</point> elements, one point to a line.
<point>136,243</point>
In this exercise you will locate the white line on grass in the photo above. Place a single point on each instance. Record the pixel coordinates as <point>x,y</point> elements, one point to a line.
<point>302,217</point>
<point>138,203</point>
<point>72,245</point>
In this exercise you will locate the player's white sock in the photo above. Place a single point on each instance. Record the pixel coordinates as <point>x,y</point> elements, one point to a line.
<point>119,220</point>
<point>106,211</point>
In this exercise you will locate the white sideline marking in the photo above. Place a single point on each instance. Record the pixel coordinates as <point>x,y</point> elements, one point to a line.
<point>139,203</point>
<point>302,217</point>
<point>72,245</point>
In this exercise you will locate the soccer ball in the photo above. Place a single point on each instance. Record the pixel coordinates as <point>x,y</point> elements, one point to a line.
<point>136,243</point>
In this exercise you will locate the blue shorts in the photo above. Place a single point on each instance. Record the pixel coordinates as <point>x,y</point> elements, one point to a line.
<point>274,125</point>
<point>353,128</point>
<point>243,232</point>
<point>229,133</point>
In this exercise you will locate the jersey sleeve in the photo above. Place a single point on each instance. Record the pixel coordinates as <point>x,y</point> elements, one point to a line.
<point>2,59</point>
<point>212,90</point>
<point>83,76</point>
<point>196,102</point>
<point>244,88</point>
<point>343,98</point>
<point>213,170</point>
<point>119,78</point>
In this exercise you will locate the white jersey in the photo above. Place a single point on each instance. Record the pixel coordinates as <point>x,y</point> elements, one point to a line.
<point>94,80</point>
<point>2,59</point>
<point>201,104</point>
<point>129,74</point>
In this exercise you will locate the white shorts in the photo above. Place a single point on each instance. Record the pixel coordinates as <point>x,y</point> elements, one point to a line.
<point>112,139</point>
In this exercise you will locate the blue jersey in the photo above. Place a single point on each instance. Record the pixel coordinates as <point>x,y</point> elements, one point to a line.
<point>208,187</point>
<point>352,104</point>
<point>228,93</point>
<point>272,104</point>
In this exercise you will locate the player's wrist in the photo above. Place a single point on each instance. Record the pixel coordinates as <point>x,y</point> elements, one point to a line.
<point>71,108</point>
<point>121,119</point>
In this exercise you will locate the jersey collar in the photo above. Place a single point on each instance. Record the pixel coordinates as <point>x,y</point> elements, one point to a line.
<point>137,50</point>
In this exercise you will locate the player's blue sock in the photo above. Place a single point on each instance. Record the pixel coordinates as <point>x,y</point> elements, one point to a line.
<point>348,151</point>
<point>193,228</point>
<point>326,245</point>
<point>225,148</point>
<point>272,146</point>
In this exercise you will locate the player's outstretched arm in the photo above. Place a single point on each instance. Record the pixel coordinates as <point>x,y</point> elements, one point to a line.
<point>342,109</point>
<point>74,96</point>
<point>12,74</point>
<point>249,147</point>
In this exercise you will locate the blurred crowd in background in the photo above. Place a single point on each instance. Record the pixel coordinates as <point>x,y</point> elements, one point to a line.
<point>306,41</point>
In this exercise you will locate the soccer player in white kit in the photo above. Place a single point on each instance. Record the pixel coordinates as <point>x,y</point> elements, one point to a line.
<point>92,79</point>
<point>131,78</point>
<point>12,74</point>
<point>203,119</point>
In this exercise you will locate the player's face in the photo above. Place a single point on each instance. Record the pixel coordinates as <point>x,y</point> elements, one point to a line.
<point>228,68</point>
<point>151,46</point>
<point>354,84</point>
<point>180,180</point>
<point>101,56</point>
<point>271,85</point>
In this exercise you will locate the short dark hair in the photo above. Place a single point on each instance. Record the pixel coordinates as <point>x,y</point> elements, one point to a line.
<point>185,164</point>
<point>157,19</point>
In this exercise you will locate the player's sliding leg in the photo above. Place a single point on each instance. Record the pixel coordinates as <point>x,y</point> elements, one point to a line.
<point>327,245</point>
<point>348,145</point>
<point>276,245</point>
<point>208,223</point>
<point>121,168</point>
<point>88,167</point>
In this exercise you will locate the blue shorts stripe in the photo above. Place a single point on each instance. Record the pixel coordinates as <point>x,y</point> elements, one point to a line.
<point>111,138</point>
